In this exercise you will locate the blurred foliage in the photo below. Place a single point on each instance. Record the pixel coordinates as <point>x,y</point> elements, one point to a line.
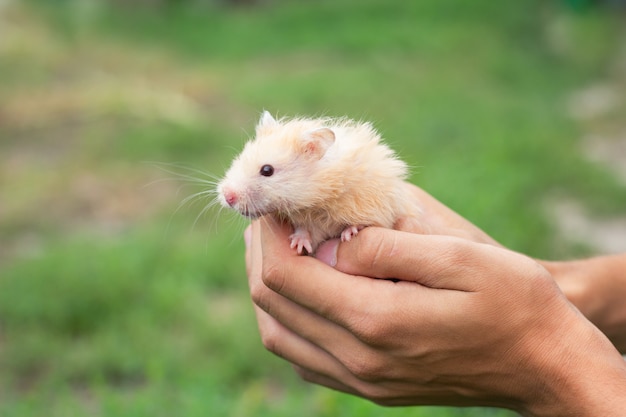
<point>122,294</point>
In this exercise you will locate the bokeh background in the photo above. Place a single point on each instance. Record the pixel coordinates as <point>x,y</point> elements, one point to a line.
<point>123,294</point>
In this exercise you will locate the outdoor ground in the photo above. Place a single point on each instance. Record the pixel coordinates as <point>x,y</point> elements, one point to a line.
<point>118,298</point>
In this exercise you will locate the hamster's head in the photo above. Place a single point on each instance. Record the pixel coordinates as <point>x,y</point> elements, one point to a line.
<point>273,172</point>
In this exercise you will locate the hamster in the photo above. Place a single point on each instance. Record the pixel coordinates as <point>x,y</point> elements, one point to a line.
<point>329,177</point>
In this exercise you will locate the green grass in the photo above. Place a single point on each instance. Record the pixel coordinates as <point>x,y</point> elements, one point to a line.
<point>115,300</point>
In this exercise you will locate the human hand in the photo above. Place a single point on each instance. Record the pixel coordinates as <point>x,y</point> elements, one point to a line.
<point>597,287</point>
<point>469,324</point>
<point>436,218</point>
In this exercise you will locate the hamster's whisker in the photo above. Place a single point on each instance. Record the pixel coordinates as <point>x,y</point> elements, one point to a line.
<point>199,195</point>
<point>193,175</point>
<point>204,210</point>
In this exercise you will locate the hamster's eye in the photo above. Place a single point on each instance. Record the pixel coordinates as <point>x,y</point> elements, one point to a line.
<point>267,170</point>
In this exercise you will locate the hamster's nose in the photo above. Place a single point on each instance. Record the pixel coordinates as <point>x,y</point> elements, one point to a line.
<point>230,197</point>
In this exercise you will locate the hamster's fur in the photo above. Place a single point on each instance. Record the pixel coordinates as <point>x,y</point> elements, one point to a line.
<point>328,177</point>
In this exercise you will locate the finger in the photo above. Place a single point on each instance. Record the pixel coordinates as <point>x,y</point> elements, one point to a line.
<point>437,218</point>
<point>311,362</point>
<point>247,238</point>
<point>319,379</point>
<point>324,333</point>
<point>411,225</point>
<point>338,341</point>
<point>364,307</point>
<point>278,233</point>
<point>254,254</point>
<point>429,260</point>
<point>332,294</point>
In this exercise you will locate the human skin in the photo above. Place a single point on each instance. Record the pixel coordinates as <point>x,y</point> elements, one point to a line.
<point>468,324</point>
<point>596,286</point>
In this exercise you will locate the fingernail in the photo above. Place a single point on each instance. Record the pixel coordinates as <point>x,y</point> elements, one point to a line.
<point>247,236</point>
<point>327,252</point>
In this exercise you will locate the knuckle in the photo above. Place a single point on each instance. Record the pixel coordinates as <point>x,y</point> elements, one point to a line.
<point>273,274</point>
<point>372,333</point>
<point>261,296</point>
<point>539,281</point>
<point>258,293</point>
<point>411,224</point>
<point>376,394</point>
<point>366,366</point>
<point>456,252</point>
<point>302,372</point>
<point>270,337</point>
<point>456,257</point>
<point>305,374</point>
<point>376,326</point>
<point>375,246</point>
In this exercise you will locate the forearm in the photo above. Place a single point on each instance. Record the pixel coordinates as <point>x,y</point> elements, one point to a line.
<point>586,374</point>
<point>597,287</point>
<point>595,389</point>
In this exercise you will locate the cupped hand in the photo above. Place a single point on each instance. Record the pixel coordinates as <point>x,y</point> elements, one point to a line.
<point>436,218</point>
<point>596,286</point>
<point>467,324</point>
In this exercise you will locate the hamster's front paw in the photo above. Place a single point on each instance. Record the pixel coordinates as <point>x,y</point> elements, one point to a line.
<point>350,232</point>
<point>301,239</point>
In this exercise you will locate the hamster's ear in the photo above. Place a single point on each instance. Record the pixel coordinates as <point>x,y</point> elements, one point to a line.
<point>267,119</point>
<point>266,122</point>
<point>316,142</point>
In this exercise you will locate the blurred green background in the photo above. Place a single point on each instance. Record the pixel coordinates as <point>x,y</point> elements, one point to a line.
<point>118,300</point>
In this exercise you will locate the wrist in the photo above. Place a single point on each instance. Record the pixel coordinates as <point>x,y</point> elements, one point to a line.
<point>575,279</point>
<point>578,372</point>
<point>597,287</point>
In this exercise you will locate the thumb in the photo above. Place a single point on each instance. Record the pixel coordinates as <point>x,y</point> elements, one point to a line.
<point>327,252</point>
<point>442,262</point>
